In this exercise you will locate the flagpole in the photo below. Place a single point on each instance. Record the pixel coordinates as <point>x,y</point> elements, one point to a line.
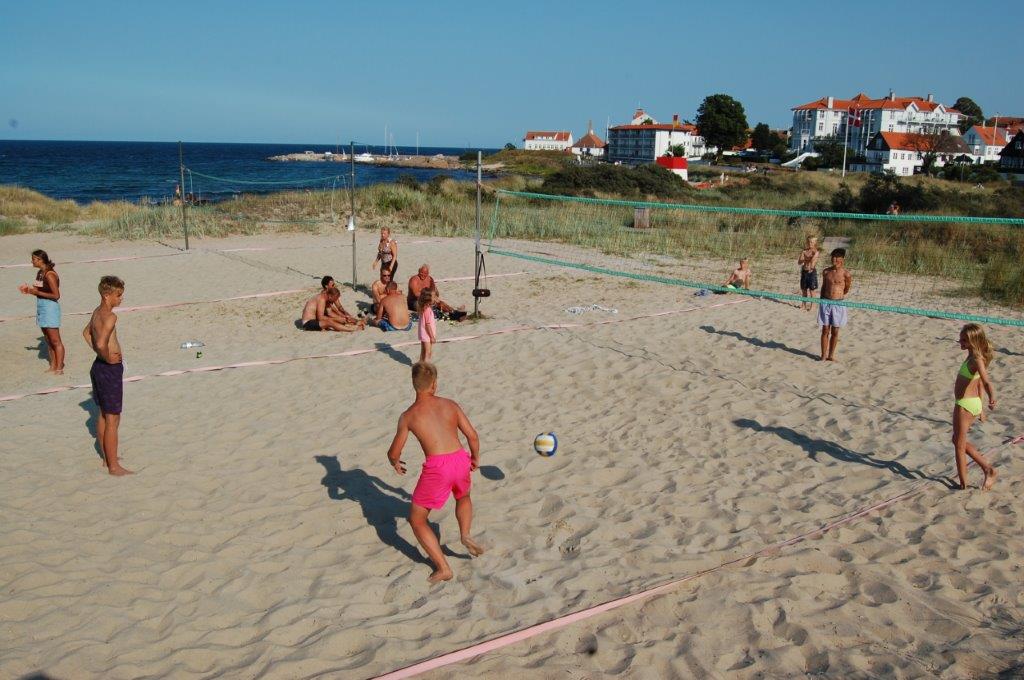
<point>846,138</point>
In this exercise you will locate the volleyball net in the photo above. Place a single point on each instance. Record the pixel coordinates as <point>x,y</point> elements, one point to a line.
<point>956,267</point>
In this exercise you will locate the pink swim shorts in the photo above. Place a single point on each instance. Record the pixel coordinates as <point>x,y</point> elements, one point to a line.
<point>443,474</point>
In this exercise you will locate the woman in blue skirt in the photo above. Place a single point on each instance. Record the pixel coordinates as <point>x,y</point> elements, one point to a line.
<point>46,288</point>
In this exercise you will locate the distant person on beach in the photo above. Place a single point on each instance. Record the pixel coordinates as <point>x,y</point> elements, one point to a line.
<point>894,209</point>
<point>971,379</point>
<point>427,325</point>
<point>835,285</point>
<point>334,309</point>
<point>315,317</point>
<point>392,314</point>
<point>740,277</point>
<point>107,372</point>
<point>422,280</point>
<point>387,253</point>
<point>808,262</point>
<point>436,423</point>
<point>379,288</point>
<point>46,288</point>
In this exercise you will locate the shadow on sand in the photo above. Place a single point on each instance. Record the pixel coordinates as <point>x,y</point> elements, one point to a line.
<point>90,407</point>
<point>758,342</point>
<point>814,447</point>
<point>383,505</point>
<point>400,357</point>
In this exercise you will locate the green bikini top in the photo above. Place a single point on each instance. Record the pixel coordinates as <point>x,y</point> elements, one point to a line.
<point>965,371</point>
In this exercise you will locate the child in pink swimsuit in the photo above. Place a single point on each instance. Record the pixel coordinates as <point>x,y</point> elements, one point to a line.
<point>427,326</point>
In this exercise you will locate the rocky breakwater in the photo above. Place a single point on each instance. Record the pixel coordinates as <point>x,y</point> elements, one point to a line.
<point>437,162</point>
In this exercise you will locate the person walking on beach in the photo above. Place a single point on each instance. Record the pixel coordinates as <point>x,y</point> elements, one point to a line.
<point>46,288</point>
<point>808,262</point>
<point>436,423</point>
<point>971,379</point>
<point>427,324</point>
<point>387,253</point>
<point>836,283</point>
<point>107,371</point>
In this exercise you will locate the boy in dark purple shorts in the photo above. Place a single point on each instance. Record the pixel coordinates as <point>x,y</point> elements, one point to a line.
<point>436,423</point>
<point>107,371</point>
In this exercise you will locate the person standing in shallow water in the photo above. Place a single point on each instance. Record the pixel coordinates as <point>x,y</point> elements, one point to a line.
<point>46,288</point>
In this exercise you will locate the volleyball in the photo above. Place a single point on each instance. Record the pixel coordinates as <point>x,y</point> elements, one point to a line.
<point>545,444</point>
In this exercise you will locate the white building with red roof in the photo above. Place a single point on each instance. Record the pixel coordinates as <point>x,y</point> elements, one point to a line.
<point>827,118</point>
<point>903,153</point>
<point>589,145</point>
<point>547,140</point>
<point>985,143</point>
<point>644,139</point>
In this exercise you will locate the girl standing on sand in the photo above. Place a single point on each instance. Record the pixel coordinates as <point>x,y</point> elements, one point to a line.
<point>427,325</point>
<point>46,288</point>
<point>387,253</point>
<point>970,380</point>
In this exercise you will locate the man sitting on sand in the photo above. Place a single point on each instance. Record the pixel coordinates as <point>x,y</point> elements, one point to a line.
<point>334,309</point>
<point>392,314</point>
<point>423,280</point>
<point>379,289</point>
<point>314,314</point>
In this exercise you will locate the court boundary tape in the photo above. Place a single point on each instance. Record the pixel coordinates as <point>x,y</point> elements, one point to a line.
<point>250,296</point>
<point>557,623</point>
<point>356,352</point>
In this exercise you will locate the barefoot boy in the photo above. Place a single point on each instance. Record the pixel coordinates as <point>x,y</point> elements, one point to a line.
<point>436,422</point>
<point>107,371</point>
<point>835,284</point>
<point>808,262</point>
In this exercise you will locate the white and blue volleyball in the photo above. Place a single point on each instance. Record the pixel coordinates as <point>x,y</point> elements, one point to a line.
<point>545,444</point>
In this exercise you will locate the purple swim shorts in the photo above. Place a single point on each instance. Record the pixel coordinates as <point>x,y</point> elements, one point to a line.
<point>107,386</point>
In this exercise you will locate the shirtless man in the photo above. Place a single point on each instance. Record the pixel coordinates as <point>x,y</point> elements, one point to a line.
<point>835,284</point>
<point>423,279</point>
<point>808,262</point>
<point>315,317</point>
<point>436,423</point>
<point>379,289</point>
<point>392,314</point>
<point>107,373</point>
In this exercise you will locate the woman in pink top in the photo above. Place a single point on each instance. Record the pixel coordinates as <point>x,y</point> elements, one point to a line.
<point>427,326</point>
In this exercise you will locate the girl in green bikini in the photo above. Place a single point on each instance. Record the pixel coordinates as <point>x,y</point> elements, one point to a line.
<point>970,380</point>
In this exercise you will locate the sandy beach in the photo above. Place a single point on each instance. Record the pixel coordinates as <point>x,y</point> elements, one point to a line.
<point>263,535</point>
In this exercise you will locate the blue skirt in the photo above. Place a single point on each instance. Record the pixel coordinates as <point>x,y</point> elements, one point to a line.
<point>47,313</point>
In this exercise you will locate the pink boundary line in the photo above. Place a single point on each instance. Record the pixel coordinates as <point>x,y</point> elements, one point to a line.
<point>470,278</point>
<point>102,259</point>
<point>356,352</point>
<point>562,621</point>
<point>144,308</point>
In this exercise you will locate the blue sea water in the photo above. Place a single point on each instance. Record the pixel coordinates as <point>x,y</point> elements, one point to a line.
<point>108,171</point>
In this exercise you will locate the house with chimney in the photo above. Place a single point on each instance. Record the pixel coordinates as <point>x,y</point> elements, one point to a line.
<point>827,118</point>
<point>644,139</point>
<point>904,153</point>
<point>547,140</point>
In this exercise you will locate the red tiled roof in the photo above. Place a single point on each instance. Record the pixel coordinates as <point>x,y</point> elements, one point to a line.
<point>989,136</point>
<point>912,141</point>
<point>862,101</point>
<point>681,127</point>
<point>557,136</point>
<point>589,141</point>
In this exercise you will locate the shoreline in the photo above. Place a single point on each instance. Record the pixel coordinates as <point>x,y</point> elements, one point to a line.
<point>437,161</point>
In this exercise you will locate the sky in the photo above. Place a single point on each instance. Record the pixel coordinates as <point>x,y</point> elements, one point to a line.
<point>473,74</point>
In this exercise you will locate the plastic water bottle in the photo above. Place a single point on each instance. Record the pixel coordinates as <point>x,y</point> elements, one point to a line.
<point>189,344</point>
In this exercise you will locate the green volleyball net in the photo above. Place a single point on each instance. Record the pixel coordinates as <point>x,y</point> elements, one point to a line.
<point>234,205</point>
<point>957,267</point>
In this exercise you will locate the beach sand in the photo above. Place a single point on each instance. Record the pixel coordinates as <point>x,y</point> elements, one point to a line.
<point>264,534</point>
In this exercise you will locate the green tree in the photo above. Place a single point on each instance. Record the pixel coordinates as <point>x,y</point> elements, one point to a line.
<point>830,154</point>
<point>722,122</point>
<point>510,146</point>
<point>677,151</point>
<point>972,113</point>
<point>763,138</point>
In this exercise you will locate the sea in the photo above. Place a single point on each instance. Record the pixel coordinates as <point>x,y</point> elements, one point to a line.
<point>148,171</point>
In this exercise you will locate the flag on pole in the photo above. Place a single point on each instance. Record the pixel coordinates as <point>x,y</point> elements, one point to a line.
<point>853,117</point>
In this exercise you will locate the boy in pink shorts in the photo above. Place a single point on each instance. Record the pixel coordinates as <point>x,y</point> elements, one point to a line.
<point>436,423</point>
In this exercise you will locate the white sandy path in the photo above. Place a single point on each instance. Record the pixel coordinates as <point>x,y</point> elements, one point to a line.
<point>263,535</point>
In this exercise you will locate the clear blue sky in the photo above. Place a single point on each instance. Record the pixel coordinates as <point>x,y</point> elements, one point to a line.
<point>473,74</point>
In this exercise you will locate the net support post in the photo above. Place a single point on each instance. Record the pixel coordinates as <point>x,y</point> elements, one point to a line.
<point>181,170</point>
<point>476,250</point>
